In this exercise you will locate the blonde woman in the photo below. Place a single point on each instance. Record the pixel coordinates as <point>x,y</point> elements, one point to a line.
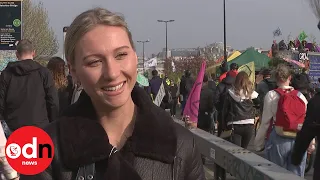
<point>114,131</point>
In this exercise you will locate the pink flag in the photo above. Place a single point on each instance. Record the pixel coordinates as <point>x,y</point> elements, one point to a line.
<point>192,106</point>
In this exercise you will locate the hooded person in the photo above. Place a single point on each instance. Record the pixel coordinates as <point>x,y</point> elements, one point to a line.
<point>232,72</point>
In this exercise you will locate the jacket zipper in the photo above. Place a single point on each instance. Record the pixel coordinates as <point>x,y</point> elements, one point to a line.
<point>174,168</point>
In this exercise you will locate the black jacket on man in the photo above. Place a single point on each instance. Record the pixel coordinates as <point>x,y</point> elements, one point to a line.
<point>310,130</point>
<point>27,95</point>
<point>158,149</point>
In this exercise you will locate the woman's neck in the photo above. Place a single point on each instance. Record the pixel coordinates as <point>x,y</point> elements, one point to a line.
<point>118,122</point>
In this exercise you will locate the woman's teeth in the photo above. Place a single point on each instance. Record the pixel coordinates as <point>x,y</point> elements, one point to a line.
<point>115,88</point>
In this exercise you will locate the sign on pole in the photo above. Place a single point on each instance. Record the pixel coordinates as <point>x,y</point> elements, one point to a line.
<point>10,24</point>
<point>160,95</point>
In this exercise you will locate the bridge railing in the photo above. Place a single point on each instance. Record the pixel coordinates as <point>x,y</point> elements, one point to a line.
<point>241,163</point>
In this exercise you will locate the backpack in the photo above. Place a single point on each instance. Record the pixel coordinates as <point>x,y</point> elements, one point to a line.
<point>290,114</point>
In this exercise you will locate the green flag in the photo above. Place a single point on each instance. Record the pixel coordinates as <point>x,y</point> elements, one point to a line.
<point>302,36</point>
<point>143,81</point>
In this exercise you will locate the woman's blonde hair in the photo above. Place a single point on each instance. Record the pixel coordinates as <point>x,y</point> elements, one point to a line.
<point>58,68</point>
<point>85,22</point>
<point>243,83</point>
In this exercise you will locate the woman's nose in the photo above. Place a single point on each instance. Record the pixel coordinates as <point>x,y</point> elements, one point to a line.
<point>111,69</point>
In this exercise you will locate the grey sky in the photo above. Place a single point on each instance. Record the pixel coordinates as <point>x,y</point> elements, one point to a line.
<point>197,22</point>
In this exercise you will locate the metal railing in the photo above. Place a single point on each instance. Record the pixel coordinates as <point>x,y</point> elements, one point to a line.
<point>240,163</point>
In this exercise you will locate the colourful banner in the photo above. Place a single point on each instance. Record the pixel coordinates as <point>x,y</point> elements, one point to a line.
<point>192,106</point>
<point>249,68</point>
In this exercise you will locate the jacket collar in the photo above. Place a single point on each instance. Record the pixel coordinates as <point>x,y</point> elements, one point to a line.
<point>84,141</point>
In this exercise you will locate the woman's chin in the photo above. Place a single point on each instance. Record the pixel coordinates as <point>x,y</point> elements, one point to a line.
<point>115,102</point>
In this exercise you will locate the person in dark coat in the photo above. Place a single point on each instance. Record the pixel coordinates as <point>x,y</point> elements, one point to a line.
<point>28,96</point>
<point>154,84</point>
<point>310,130</point>
<point>114,131</point>
<point>206,106</point>
<point>185,87</point>
<point>220,95</point>
<point>174,94</point>
<point>212,82</point>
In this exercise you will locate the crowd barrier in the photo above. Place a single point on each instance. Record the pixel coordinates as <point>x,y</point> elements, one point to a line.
<point>240,163</point>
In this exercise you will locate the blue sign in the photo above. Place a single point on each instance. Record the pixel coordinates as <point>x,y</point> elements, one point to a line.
<point>314,71</point>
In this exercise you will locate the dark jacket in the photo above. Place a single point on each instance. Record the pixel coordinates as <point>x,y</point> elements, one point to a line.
<point>263,88</point>
<point>65,95</point>
<point>205,108</point>
<point>154,85</point>
<point>27,95</point>
<point>186,85</point>
<point>310,130</point>
<point>174,91</point>
<point>222,89</point>
<point>212,85</point>
<point>206,100</point>
<point>158,149</point>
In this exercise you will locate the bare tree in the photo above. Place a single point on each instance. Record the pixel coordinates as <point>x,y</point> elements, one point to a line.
<point>35,27</point>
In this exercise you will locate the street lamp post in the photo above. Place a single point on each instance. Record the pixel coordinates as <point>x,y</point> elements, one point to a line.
<point>166,22</point>
<point>224,31</point>
<point>143,50</point>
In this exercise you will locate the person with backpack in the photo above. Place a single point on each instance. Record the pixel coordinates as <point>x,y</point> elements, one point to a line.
<point>238,109</point>
<point>284,111</point>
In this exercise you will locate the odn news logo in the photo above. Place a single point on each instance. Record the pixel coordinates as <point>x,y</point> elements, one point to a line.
<point>29,150</point>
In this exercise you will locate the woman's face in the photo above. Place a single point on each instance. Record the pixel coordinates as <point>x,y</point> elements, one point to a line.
<point>106,65</point>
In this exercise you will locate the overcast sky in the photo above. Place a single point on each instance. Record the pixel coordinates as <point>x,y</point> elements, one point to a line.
<point>197,22</point>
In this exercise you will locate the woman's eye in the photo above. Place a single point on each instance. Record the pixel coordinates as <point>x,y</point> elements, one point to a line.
<point>121,56</point>
<point>94,63</point>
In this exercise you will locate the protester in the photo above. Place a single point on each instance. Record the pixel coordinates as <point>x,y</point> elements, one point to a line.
<point>279,105</point>
<point>64,85</point>
<point>114,131</point>
<point>237,111</point>
<point>233,71</point>
<point>304,140</point>
<point>174,93</point>
<point>186,85</point>
<point>266,85</point>
<point>206,106</point>
<point>154,84</point>
<point>28,96</point>
<point>220,95</point>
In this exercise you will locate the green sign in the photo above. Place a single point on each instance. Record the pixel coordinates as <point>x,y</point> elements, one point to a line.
<point>17,22</point>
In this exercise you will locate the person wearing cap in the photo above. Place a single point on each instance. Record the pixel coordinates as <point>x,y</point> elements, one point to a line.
<point>232,72</point>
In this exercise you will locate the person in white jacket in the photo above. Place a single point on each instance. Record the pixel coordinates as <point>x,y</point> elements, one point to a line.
<point>278,149</point>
